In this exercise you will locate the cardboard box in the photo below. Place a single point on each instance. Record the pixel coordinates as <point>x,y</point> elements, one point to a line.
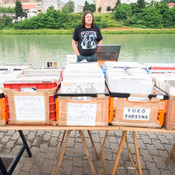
<point>29,107</point>
<point>138,109</point>
<point>83,110</point>
<point>131,113</point>
<point>170,115</point>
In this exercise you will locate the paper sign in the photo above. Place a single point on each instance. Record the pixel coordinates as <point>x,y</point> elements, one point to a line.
<point>81,114</point>
<point>136,114</point>
<point>30,108</point>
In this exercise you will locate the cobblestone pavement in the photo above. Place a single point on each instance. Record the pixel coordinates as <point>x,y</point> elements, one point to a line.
<point>153,149</point>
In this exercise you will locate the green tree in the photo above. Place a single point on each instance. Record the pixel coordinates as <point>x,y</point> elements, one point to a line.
<point>86,6</point>
<point>152,3</point>
<point>89,7</point>
<point>99,9</point>
<point>109,8</point>
<point>141,4</point>
<point>117,3</point>
<point>169,18</point>
<point>152,18</point>
<point>162,7</point>
<point>135,8</point>
<point>65,9</point>
<point>18,9</point>
<point>1,23</point>
<point>7,20</point>
<point>123,11</point>
<point>69,6</point>
<point>51,7</point>
<point>168,1</point>
<point>7,10</point>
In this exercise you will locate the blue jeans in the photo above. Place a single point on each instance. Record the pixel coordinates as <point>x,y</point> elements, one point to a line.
<point>91,58</point>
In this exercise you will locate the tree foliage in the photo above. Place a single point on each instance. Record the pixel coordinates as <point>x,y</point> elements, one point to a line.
<point>154,15</point>
<point>141,4</point>
<point>99,9</point>
<point>18,9</point>
<point>169,17</point>
<point>69,7</point>
<point>123,11</point>
<point>168,1</point>
<point>6,21</point>
<point>89,7</point>
<point>109,8</point>
<point>152,18</point>
<point>117,3</point>
<point>7,10</point>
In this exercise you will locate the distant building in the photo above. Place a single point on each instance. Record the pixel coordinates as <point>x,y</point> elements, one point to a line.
<point>38,6</point>
<point>46,4</point>
<point>104,4</point>
<point>78,9</point>
<point>11,3</point>
<point>60,5</point>
<point>31,14</point>
<point>171,5</point>
<point>29,7</point>
<point>111,3</point>
<point>12,15</point>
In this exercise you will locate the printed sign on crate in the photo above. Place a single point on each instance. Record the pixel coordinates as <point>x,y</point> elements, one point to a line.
<point>30,108</point>
<point>136,114</point>
<point>81,114</point>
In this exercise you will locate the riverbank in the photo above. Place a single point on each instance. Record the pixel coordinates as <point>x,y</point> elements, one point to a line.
<point>116,30</point>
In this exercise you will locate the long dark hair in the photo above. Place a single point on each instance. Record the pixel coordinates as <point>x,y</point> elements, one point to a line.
<point>83,19</point>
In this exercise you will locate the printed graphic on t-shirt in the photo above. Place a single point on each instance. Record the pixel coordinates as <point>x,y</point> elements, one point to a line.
<point>88,40</point>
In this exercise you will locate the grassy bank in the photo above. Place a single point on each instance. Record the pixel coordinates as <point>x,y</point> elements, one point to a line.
<point>104,31</point>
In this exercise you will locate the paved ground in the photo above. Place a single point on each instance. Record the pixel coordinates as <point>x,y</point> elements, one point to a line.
<point>153,148</point>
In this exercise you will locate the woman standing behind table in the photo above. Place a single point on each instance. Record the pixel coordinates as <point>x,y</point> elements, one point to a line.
<point>87,35</point>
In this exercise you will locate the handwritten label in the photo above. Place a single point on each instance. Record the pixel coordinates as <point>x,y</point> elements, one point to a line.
<point>29,108</point>
<point>81,114</point>
<point>136,114</point>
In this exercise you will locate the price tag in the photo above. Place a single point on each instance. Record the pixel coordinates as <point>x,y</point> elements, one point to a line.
<point>81,114</point>
<point>136,114</point>
<point>29,108</point>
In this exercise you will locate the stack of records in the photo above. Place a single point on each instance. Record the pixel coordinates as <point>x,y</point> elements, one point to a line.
<point>83,78</point>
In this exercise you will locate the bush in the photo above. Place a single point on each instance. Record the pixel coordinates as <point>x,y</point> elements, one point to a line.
<point>169,17</point>
<point>152,18</point>
<point>123,11</point>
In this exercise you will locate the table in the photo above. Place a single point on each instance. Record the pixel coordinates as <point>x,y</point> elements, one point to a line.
<point>15,162</point>
<point>68,129</point>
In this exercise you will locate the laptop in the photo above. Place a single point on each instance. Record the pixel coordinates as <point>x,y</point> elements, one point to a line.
<point>108,52</point>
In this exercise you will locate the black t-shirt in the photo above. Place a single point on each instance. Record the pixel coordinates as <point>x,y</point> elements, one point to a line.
<point>87,39</point>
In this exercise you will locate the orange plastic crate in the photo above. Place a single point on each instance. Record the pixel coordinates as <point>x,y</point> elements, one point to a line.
<point>3,117</point>
<point>101,100</point>
<point>37,85</point>
<point>157,110</point>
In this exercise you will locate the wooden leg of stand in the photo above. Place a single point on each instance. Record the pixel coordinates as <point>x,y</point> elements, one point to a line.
<point>119,153</point>
<point>171,154</point>
<point>62,153</point>
<point>137,152</point>
<point>103,145</point>
<point>92,142</point>
<point>130,157</point>
<point>61,143</point>
<point>87,153</point>
<point>104,163</point>
<point>63,138</point>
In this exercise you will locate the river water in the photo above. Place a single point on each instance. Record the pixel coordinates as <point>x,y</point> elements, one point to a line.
<point>38,49</point>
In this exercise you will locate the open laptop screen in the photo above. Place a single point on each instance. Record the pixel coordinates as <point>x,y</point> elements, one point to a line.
<point>108,51</point>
